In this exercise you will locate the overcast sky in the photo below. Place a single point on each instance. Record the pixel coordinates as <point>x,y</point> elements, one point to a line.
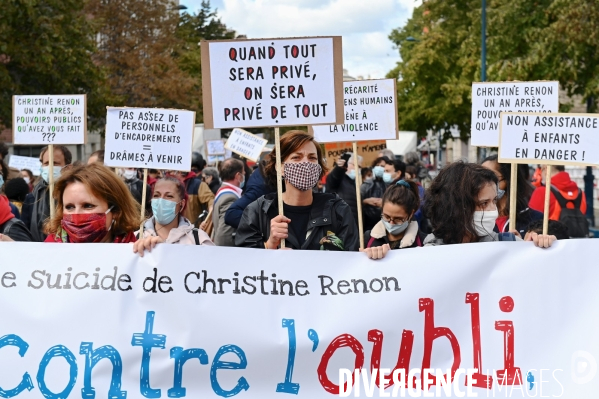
<point>364,24</point>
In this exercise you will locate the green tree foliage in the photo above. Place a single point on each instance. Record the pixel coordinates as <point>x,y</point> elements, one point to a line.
<point>45,48</point>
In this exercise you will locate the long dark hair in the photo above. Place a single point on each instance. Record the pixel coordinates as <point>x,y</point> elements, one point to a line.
<point>451,200</point>
<point>406,197</point>
<point>523,187</point>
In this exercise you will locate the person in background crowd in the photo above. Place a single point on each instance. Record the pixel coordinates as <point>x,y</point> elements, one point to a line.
<point>310,221</point>
<point>397,228</point>
<point>167,225</point>
<point>320,186</point>
<point>461,204</point>
<point>255,187</point>
<point>92,205</point>
<point>197,163</point>
<point>394,171</point>
<point>372,193</point>
<point>211,177</point>
<point>135,186</point>
<point>411,173</point>
<point>153,176</point>
<point>342,181</point>
<point>422,176</point>
<point>555,228</point>
<point>246,168</point>
<point>29,178</point>
<point>567,203</point>
<point>537,177</point>
<point>16,191</point>
<point>36,208</point>
<point>232,172</point>
<point>387,153</point>
<point>12,172</point>
<point>524,189</point>
<point>366,174</point>
<point>96,156</point>
<point>11,228</point>
<point>200,197</point>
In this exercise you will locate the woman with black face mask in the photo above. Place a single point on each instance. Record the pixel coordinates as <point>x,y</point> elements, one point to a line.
<point>312,221</point>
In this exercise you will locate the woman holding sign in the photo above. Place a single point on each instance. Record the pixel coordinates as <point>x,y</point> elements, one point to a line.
<point>312,221</point>
<point>92,205</point>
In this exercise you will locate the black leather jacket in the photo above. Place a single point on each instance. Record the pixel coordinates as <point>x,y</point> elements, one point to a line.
<point>16,229</point>
<point>330,215</point>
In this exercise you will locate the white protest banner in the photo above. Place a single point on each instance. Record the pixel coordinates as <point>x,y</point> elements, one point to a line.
<point>20,163</point>
<point>49,119</point>
<point>215,147</point>
<point>272,82</point>
<point>246,144</point>
<point>149,138</point>
<point>489,99</point>
<point>370,113</point>
<point>266,324</point>
<point>550,139</point>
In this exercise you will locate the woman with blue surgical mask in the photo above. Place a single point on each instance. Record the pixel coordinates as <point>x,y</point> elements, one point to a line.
<point>168,225</point>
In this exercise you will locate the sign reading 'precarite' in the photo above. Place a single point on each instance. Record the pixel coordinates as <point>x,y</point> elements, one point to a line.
<point>551,139</point>
<point>149,138</point>
<point>490,99</point>
<point>49,119</point>
<point>272,82</point>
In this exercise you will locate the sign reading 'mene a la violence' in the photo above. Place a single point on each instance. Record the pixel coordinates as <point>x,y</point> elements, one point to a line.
<point>551,139</point>
<point>490,99</point>
<point>45,119</point>
<point>149,138</point>
<point>370,113</point>
<point>272,82</point>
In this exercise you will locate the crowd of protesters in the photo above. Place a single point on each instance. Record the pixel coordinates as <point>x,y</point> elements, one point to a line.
<point>237,205</point>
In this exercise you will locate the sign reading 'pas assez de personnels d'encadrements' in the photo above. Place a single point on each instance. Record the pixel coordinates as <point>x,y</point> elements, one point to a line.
<point>551,139</point>
<point>149,138</point>
<point>492,98</point>
<point>370,113</point>
<point>49,119</point>
<point>272,82</point>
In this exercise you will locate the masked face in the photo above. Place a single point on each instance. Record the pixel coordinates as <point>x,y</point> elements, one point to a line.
<point>45,173</point>
<point>301,168</point>
<point>85,227</point>
<point>378,171</point>
<point>486,212</point>
<point>165,201</point>
<point>394,218</point>
<point>129,174</point>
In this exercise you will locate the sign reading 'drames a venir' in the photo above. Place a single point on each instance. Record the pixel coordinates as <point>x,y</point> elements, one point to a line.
<point>551,139</point>
<point>246,144</point>
<point>149,138</point>
<point>49,119</point>
<point>370,113</point>
<point>272,82</point>
<point>490,99</point>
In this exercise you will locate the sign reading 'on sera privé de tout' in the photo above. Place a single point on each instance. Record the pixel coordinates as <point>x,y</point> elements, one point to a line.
<point>272,82</point>
<point>550,139</point>
<point>149,138</point>
<point>370,113</point>
<point>49,119</point>
<point>491,98</point>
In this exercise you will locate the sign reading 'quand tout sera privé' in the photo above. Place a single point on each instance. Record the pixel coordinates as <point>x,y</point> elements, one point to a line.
<point>272,82</point>
<point>551,139</point>
<point>370,113</point>
<point>490,99</point>
<point>49,119</point>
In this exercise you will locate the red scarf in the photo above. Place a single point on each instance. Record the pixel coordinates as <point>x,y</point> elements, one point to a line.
<point>5,211</point>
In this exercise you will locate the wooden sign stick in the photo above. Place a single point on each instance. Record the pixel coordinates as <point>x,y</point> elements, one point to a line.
<point>51,178</point>
<point>513,196</point>
<point>358,194</point>
<point>547,197</point>
<point>143,203</point>
<point>279,176</point>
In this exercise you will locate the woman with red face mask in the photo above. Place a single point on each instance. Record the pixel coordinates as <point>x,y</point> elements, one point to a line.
<point>92,205</point>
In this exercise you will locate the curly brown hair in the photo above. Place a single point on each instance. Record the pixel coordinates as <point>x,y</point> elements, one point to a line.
<point>451,200</point>
<point>103,184</point>
<point>292,141</point>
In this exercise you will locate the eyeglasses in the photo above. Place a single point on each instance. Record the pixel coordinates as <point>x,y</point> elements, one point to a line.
<point>389,219</point>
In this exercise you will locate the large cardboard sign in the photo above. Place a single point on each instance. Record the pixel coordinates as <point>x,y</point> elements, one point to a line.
<point>368,150</point>
<point>150,138</point>
<point>550,139</point>
<point>489,99</point>
<point>370,113</point>
<point>20,163</point>
<point>49,119</point>
<point>270,324</point>
<point>272,82</point>
<point>246,144</point>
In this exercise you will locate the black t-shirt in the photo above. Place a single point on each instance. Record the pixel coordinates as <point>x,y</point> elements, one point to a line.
<point>300,217</point>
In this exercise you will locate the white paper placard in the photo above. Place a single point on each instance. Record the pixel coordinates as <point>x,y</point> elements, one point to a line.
<point>151,138</point>
<point>212,159</point>
<point>550,139</point>
<point>370,113</point>
<point>491,98</point>
<point>49,119</point>
<point>19,162</point>
<point>246,144</point>
<point>272,82</point>
<point>215,147</point>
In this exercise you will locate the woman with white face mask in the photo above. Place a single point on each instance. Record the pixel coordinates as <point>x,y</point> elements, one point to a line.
<point>168,225</point>
<point>461,204</point>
